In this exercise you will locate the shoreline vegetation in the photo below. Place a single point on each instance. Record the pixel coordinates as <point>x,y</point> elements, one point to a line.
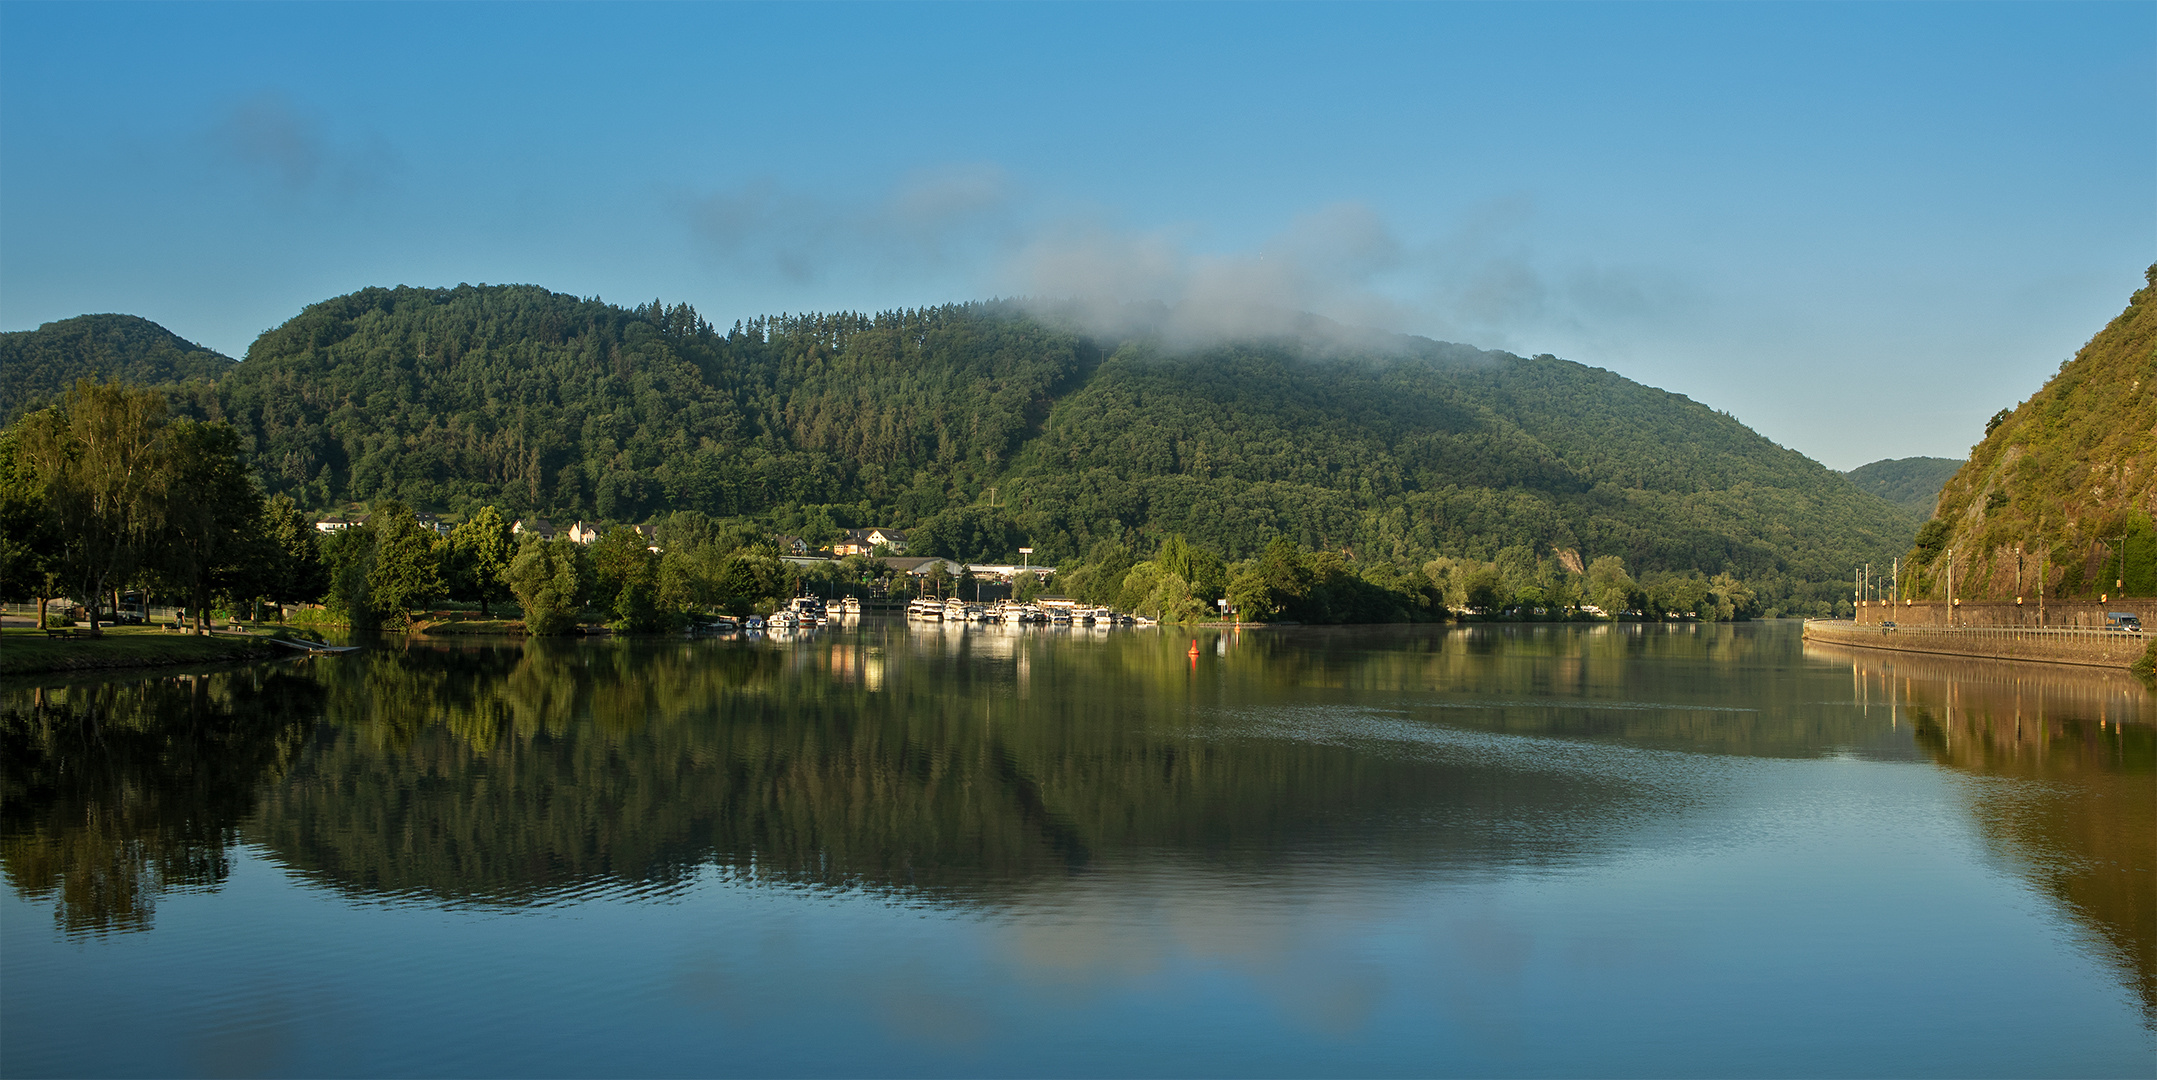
<point>105,497</point>
<point>1302,480</point>
<point>1305,480</point>
<point>392,449</point>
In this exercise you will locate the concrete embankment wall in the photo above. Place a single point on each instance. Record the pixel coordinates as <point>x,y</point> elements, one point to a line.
<point>2056,614</point>
<point>2093,648</point>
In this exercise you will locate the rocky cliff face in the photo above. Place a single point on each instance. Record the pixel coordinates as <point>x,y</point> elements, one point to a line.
<point>2063,487</point>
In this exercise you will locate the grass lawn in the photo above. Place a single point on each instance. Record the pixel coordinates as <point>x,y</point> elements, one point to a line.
<point>31,652</point>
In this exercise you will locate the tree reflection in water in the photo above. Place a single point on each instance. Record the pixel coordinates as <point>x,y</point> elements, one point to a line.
<point>959,768</point>
<point>115,791</point>
<point>966,767</point>
<point>2081,820</point>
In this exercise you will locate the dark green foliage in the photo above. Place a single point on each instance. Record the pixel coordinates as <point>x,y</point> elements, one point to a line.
<point>97,463</point>
<point>1290,583</point>
<point>1434,449</point>
<point>551,579</point>
<point>296,570</point>
<point>982,429</point>
<point>1931,540</point>
<point>969,534</point>
<point>348,560</point>
<point>211,539</point>
<point>407,570</point>
<point>1912,483</point>
<point>28,548</point>
<point>544,403</point>
<point>37,365</point>
<point>625,581</point>
<point>479,554</point>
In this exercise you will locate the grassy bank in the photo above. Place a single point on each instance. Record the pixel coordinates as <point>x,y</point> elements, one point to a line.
<point>459,623</point>
<point>31,652</point>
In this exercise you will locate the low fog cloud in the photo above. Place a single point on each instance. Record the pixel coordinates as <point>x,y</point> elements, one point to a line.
<point>272,137</point>
<point>929,219</point>
<point>1329,262</point>
<point>1481,282</point>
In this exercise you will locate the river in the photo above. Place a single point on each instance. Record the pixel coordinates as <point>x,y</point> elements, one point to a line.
<point>893,850</point>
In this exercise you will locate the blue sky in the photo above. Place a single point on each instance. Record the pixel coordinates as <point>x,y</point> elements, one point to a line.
<point>1859,228</point>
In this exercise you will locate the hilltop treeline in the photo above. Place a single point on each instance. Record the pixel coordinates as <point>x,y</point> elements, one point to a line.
<point>1912,483</point>
<point>982,428</point>
<point>42,363</point>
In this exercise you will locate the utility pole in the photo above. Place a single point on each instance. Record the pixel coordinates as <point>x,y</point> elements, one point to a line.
<point>2042,550</point>
<point>1950,586</point>
<point>2119,585</point>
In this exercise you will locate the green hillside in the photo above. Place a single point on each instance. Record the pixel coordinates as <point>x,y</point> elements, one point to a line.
<point>38,364</point>
<point>1434,448</point>
<point>1912,483</point>
<point>2066,477</point>
<point>983,428</point>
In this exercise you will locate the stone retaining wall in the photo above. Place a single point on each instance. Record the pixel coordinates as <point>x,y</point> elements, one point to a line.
<point>2058,614</point>
<point>2094,648</point>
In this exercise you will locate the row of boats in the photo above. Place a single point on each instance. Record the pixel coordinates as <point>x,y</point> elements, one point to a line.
<point>811,611</point>
<point>926,610</point>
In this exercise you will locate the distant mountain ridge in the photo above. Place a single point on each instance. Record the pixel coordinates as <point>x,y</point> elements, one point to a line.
<point>987,426</point>
<point>1912,483</point>
<point>2064,484</point>
<point>39,364</point>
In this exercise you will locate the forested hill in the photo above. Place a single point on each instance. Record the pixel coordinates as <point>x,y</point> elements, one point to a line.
<point>2068,476</point>
<point>1431,447</point>
<point>1912,483</point>
<point>984,428</point>
<point>39,364</point>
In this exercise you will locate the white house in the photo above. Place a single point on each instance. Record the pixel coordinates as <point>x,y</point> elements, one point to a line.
<point>865,541</point>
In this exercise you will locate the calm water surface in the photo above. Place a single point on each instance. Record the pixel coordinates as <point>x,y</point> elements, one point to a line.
<point>875,849</point>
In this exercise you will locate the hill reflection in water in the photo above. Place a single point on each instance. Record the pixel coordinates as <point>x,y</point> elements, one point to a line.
<point>949,764</point>
<point>2065,760</point>
<point>962,767</point>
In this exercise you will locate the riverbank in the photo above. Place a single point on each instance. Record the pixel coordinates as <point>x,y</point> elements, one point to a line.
<point>32,652</point>
<point>2088,648</point>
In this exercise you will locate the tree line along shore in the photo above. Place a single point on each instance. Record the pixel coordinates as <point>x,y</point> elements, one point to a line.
<point>106,493</point>
<point>982,428</point>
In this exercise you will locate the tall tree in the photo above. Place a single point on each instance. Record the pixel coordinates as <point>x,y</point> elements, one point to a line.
<point>483,548</point>
<point>407,569</point>
<point>626,578</point>
<point>550,578</point>
<point>211,538</point>
<point>27,542</point>
<point>97,462</point>
<point>299,572</point>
